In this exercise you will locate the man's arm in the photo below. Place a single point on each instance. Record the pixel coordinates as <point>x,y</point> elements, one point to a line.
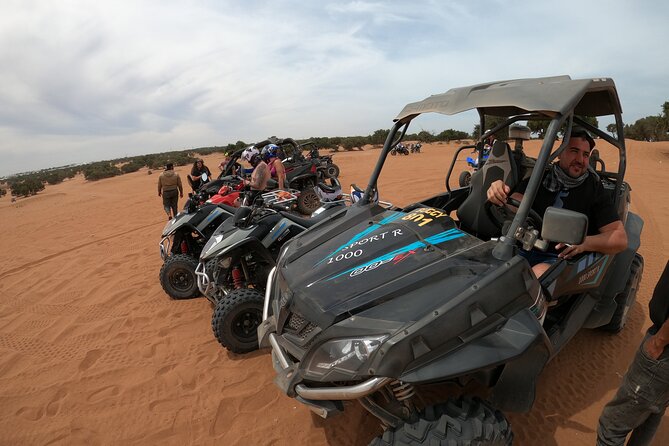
<point>160,186</point>
<point>611,239</point>
<point>181,189</point>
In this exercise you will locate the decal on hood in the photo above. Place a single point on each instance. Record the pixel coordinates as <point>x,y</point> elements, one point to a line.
<point>399,254</point>
<point>363,234</point>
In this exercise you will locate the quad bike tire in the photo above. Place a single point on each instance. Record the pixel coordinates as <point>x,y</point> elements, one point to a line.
<point>625,300</point>
<point>177,277</point>
<point>465,178</point>
<point>466,421</point>
<point>308,201</point>
<point>236,319</point>
<point>332,171</point>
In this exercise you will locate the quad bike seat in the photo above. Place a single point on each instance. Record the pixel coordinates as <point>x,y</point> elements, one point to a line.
<point>309,222</point>
<point>473,212</point>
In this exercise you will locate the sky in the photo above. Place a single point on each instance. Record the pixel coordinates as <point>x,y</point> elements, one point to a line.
<point>84,81</point>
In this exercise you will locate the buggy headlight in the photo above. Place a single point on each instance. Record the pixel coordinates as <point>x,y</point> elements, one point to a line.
<point>343,355</point>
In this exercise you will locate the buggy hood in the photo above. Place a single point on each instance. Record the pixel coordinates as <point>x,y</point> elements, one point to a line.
<point>349,265</point>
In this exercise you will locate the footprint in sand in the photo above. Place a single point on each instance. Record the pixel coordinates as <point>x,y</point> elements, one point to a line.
<point>91,358</point>
<point>103,393</point>
<point>53,407</point>
<point>30,413</point>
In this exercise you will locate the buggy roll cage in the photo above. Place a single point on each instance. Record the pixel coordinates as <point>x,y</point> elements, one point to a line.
<point>557,99</point>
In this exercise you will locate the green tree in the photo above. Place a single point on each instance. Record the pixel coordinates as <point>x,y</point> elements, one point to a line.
<point>612,129</point>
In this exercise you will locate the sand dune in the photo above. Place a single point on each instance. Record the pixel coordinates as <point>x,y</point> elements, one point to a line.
<point>93,352</point>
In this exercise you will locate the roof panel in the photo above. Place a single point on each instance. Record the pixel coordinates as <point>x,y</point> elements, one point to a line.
<point>589,97</point>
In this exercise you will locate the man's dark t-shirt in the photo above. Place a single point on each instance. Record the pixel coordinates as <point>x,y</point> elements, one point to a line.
<point>589,198</point>
<point>198,173</point>
<point>659,303</point>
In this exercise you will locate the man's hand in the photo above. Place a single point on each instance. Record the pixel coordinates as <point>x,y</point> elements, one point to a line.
<point>498,192</point>
<point>181,195</point>
<point>570,251</point>
<point>653,347</point>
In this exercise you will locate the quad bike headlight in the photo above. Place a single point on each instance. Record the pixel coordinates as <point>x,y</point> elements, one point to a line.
<point>345,356</point>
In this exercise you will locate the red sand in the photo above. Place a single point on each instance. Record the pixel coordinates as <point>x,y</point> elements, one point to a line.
<point>93,352</point>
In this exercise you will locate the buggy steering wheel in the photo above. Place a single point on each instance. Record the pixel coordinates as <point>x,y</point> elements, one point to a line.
<point>500,214</point>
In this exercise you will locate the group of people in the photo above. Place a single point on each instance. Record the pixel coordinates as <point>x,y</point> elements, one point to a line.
<point>265,163</point>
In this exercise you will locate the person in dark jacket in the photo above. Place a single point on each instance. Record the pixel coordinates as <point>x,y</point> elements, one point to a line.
<point>200,174</point>
<point>643,396</point>
<point>170,188</point>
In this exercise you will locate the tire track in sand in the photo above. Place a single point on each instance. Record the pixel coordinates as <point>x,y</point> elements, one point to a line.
<point>44,259</point>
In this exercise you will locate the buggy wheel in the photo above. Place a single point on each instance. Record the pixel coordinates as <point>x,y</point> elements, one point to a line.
<point>236,319</point>
<point>466,421</point>
<point>625,300</point>
<point>308,201</point>
<point>465,178</point>
<point>177,276</point>
<point>332,171</point>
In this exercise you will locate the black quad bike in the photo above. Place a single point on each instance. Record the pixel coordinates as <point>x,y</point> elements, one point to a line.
<point>375,304</point>
<point>325,165</point>
<point>236,260</point>
<point>183,237</point>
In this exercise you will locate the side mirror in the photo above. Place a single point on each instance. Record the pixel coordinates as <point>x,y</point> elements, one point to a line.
<point>564,226</point>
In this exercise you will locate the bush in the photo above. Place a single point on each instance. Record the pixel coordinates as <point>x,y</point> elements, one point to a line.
<point>26,185</point>
<point>132,166</point>
<point>98,171</point>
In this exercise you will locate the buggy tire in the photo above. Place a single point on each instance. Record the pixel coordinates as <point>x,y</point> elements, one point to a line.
<point>465,178</point>
<point>625,300</point>
<point>331,171</point>
<point>465,421</point>
<point>236,319</point>
<point>177,276</point>
<point>308,201</point>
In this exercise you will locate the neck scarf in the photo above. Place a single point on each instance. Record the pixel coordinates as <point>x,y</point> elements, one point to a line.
<point>556,179</point>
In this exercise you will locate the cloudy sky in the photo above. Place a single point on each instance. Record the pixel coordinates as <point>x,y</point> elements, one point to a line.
<point>84,81</point>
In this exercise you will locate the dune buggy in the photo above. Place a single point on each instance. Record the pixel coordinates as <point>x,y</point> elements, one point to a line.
<point>376,304</point>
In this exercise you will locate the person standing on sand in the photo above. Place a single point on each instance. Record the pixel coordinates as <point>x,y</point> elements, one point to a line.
<point>200,174</point>
<point>643,396</point>
<point>169,185</point>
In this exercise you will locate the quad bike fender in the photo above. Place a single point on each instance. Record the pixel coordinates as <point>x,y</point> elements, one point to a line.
<point>618,274</point>
<point>521,339</point>
<point>245,246</point>
<point>307,177</point>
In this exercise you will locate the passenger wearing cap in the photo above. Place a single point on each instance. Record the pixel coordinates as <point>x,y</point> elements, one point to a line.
<point>570,184</point>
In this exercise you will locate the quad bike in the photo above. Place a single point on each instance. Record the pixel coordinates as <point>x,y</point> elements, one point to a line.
<point>415,148</point>
<point>325,166</point>
<point>384,305</point>
<point>181,244</point>
<point>235,262</point>
<point>399,149</point>
<point>301,174</point>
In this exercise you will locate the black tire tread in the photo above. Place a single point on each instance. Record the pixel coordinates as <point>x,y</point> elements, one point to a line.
<point>467,421</point>
<point>225,309</point>
<point>190,263</point>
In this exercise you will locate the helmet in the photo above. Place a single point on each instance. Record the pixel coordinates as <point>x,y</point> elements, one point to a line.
<point>249,153</point>
<point>270,151</point>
